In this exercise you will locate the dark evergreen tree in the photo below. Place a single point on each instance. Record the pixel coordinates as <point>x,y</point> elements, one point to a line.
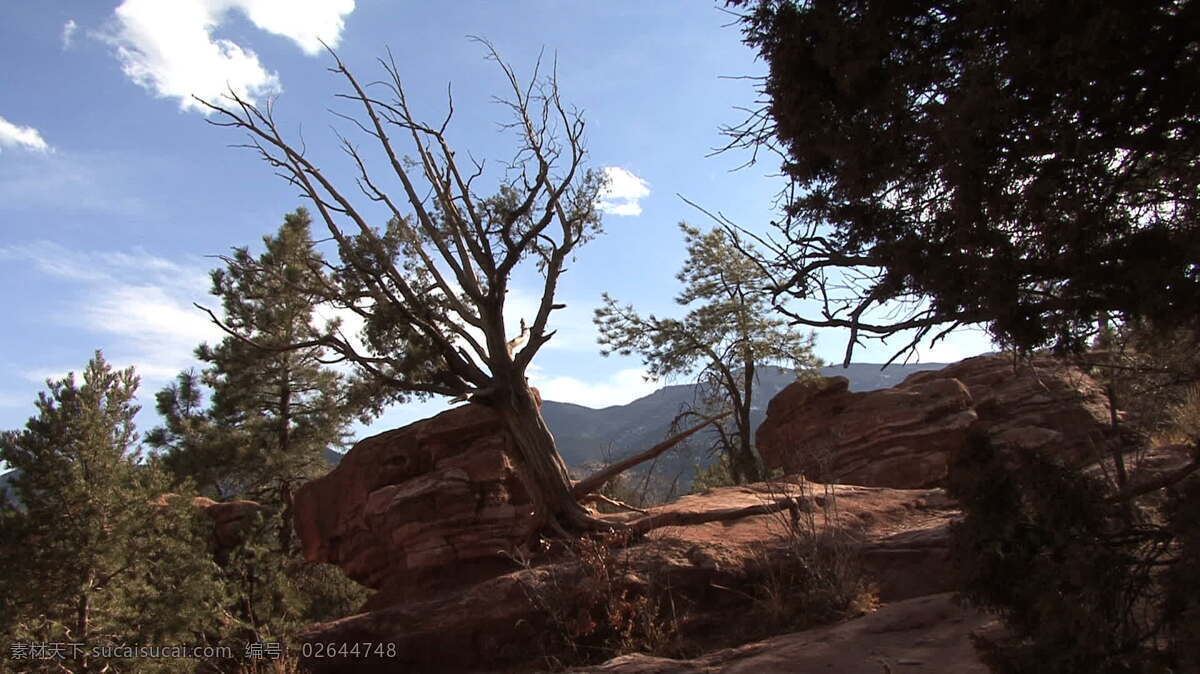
<point>97,555</point>
<point>273,410</point>
<point>271,413</point>
<point>722,341</point>
<point>1031,165</point>
<point>1081,588</point>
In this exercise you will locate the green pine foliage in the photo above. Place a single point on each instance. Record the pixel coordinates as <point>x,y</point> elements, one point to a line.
<point>272,592</point>
<point>1080,587</point>
<point>729,331</point>
<point>255,424</point>
<point>273,411</point>
<point>96,555</point>
<point>1027,165</point>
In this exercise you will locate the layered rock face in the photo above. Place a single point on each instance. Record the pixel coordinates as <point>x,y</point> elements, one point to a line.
<point>434,504</point>
<point>902,437</point>
<point>499,623</point>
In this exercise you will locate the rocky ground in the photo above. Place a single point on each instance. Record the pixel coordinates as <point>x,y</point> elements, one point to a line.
<point>434,517</point>
<point>923,635</point>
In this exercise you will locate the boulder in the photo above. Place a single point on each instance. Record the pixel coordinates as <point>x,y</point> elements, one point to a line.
<point>1042,404</point>
<point>902,437</point>
<point>230,519</point>
<point>435,504</point>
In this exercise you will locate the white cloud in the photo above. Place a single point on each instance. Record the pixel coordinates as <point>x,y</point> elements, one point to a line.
<point>68,33</point>
<point>25,137</point>
<point>305,22</point>
<point>169,48</point>
<point>572,325</point>
<point>154,322</point>
<point>623,193</point>
<point>623,386</point>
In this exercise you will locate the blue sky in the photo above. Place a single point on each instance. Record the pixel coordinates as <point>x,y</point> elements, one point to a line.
<point>114,191</point>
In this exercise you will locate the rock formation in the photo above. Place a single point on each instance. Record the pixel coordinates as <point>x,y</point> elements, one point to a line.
<point>230,518</point>
<point>432,505</point>
<point>435,517</point>
<point>502,621</point>
<point>901,437</point>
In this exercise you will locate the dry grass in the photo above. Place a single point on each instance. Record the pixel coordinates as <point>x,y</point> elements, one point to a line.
<point>287,664</point>
<point>597,604</point>
<point>604,609</point>
<point>1183,419</point>
<point>813,576</point>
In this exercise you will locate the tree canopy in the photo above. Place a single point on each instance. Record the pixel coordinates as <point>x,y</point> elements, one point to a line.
<point>273,412</point>
<point>86,559</point>
<point>1031,166</point>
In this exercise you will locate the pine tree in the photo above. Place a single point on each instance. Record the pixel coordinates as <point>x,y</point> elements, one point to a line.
<point>98,555</point>
<point>191,446</point>
<point>1031,166</point>
<point>722,341</point>
<point>273,411</point>
<point>264,427</point>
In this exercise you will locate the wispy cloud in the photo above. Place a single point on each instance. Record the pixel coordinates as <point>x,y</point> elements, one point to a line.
<point>23,137</point>
<point>96,183</point>
<point>623,193</point>
<point>68,33</point>
<point>139,305</point>
<point>169,49</point>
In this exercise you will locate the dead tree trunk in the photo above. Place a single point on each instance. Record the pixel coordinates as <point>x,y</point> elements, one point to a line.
<point>546,475</point>
<point>433,283</point>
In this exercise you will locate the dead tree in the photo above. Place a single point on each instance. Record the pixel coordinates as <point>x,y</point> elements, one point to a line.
<point>431,286</point>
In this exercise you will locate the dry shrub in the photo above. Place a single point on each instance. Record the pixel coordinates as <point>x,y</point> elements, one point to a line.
<point>605,608</point>
<point>1183,417</point>
<point>814,575</point>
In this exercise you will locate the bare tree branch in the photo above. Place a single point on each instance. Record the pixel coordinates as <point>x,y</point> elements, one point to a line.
<point>597,480</point>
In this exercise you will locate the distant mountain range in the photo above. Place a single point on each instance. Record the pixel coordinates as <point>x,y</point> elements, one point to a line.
<point>587,436</point>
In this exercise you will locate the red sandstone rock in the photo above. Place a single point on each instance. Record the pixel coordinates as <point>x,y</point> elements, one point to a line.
<point>429,506</point>
<point>496,623</point>
<point>902,437</point>
<point>924,635</point>
<point>230,518</point>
